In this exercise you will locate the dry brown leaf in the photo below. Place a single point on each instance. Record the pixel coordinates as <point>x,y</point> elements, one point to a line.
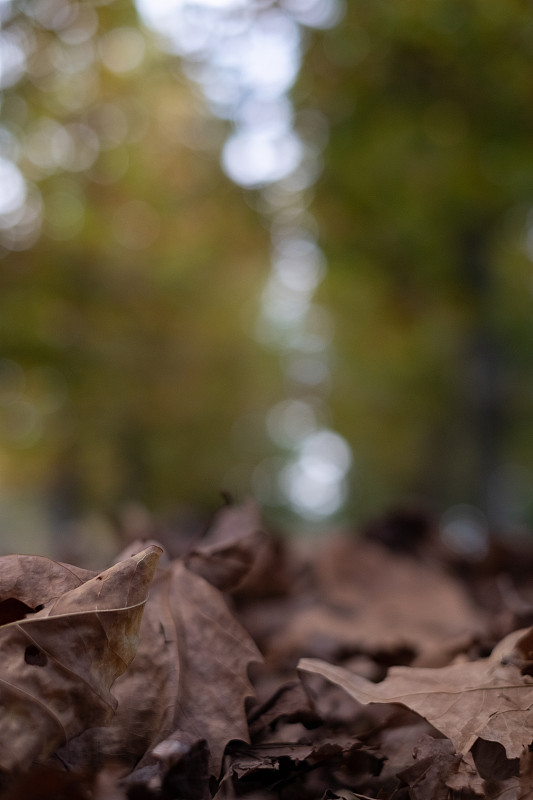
<point>466,781</point>
<point>189,674</point>
<point>289,703</point>
<point>526,776</point>
<point>434,762</point>
<point>368,600</point>
<point>28,582</point>
<point>484,699</point>
<point>229,550</point>
<point>58,665</point>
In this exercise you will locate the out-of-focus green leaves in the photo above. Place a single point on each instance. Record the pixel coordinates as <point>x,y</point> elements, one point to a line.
<point>128,369</point>
<point>424,206</point>
<point>124,329</point>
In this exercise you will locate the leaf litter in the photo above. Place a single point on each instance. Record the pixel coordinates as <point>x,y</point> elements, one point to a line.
<point>239,664</point>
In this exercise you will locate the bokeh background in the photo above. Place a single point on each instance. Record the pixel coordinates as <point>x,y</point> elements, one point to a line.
<point>279,248</point>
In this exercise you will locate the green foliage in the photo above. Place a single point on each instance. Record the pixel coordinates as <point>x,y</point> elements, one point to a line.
<point>424,211</point>
<point>128,367</point>
<point>134,304</point>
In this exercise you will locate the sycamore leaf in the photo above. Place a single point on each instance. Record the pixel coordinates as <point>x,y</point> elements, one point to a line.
<point>189,675</point>
<point>58,665</point>
<point>488,699</point>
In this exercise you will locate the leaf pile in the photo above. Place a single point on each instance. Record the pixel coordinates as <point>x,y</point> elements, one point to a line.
<point>242,666</point>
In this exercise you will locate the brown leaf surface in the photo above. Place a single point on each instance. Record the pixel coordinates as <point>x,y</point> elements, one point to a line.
<point>229,550</point>
<point>422,733</point>
<point>466,782</point>
<point>29,582</point>
<point>365,599</point>
<point>434,762</point>
<point>59,664</point>
<point>486,699</point>
<point>189,674</point>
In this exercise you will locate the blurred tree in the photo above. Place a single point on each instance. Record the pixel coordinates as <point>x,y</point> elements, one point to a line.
<point>130,272</point>
<point>124,356</point>
<point>425,206</point>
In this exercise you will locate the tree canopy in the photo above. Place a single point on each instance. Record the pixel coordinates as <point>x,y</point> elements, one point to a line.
<point>131,276</point>
<point>425,211</point>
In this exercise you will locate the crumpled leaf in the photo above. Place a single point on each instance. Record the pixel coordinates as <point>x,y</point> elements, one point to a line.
<point>289,703</point>
<point>58,665</point>
<point>466,781</point>
<point>292,757</point>
<point>229,549</point>
<point>487,699</point>
<point>434,762</point>
<point>28,582</point>
<point>189,674</point>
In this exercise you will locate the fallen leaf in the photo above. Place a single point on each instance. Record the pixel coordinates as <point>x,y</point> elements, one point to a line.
<point>290,703</point>
<point>230,547</point>
<point>28,582</point>
<point>485,699</point>
<point>491,761</point>
<point>526,776</point>
<point>466,781</point>
<point>434,762</point>
<point>278,756</point>
<point>58,665</point>
<point>189,675</point>
<point>365,599</point>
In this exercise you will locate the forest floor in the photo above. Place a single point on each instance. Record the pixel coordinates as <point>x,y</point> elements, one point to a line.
<point>242,664</point>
